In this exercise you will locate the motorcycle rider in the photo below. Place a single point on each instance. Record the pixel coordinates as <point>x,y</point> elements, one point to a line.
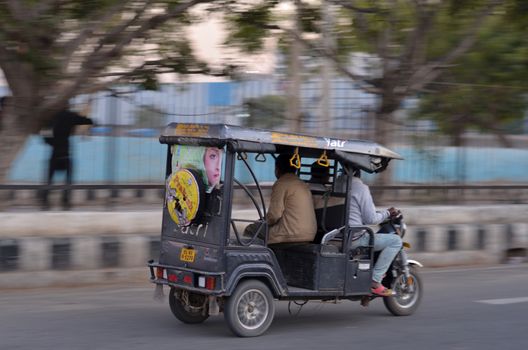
<point>363,212</point>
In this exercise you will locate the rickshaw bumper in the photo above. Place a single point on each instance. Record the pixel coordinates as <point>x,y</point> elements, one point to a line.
<point>192,280</point>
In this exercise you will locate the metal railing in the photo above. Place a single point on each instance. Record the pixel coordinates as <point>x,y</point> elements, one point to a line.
<point>27,196</point>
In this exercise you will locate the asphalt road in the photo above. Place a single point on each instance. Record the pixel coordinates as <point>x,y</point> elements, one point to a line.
<point>471,308</point>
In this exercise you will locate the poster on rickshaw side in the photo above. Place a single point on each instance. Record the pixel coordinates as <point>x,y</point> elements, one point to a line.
<point>196,170</point>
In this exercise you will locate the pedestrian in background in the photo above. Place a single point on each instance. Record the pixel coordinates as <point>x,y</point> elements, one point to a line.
<point>58,137</point>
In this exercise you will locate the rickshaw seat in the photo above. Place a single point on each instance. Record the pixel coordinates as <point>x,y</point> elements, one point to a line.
<point>303,264</point>
<point>333,218</point>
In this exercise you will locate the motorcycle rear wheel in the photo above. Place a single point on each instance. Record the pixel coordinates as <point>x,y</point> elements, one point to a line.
<point>405,302</point>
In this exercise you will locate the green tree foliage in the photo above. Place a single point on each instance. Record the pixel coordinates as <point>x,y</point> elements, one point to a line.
<point>486,89</point>
<point>53,50</point>
<point>410,42</point>
<point>248,24</point>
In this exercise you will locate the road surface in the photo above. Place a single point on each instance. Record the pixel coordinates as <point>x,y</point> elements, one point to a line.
<point>463,308</point>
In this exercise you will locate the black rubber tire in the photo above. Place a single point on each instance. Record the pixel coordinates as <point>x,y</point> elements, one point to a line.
<point>251,301</point>
<point>184,314</point>
<point>405,304</point>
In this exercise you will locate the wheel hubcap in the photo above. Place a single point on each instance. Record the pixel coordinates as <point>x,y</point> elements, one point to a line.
<point>406,295</point>
<point>252,309</point>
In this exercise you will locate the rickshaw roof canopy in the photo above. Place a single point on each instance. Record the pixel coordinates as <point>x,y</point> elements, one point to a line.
<point>367,155</point>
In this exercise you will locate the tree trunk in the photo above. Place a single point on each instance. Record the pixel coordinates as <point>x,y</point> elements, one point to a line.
<point>12,138</point>
<point>10,145</point>
<point>294,105</point>
<point>383,137</point>
<point>22,115</point>
<point>384,130</point>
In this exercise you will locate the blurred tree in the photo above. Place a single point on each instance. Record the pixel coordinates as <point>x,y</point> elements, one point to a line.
<point>51,51</point>
<point>266,112</point>
<point>486,89</point>
<point>410,43</point>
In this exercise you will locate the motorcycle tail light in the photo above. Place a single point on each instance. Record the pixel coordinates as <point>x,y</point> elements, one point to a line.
<point>159,272</point>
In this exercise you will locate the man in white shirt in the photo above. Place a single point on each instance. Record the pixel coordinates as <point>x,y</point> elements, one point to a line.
<point>363,212</point>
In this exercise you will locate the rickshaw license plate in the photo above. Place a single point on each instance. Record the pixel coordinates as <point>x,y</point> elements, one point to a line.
<point>187,255</point>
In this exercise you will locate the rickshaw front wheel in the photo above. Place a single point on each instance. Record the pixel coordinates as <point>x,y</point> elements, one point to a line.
<point>188,307</point>
<point>250,309</point>
<point>408,296</point>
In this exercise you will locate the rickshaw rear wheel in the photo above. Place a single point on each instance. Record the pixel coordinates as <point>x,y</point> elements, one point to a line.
<point>192,312</point>
<point>407,299</point>
<point>250,309</point>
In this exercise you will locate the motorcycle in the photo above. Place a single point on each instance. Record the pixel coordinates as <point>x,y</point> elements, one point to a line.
<point>402,276</point>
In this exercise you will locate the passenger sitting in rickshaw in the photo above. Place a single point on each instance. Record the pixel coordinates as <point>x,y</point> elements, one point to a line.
<point>291,215</point>
<point>363,212</point>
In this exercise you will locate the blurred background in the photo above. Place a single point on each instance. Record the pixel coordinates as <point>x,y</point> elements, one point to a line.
<point>441,82</point>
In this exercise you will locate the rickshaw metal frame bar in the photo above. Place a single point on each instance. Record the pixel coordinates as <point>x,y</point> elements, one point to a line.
<point>204,291</point>
<point>220,275</point>
<point>258,187</point>
<point>232,222</point>
<point>168,171</point>
<point>255,236</point>
<point>243,220</point>
<point>244,187</point>
<point>237,235</point>
<point>228,194</point>
<point>186,269</point>
<point>260,221</point>
<point>168,165</point>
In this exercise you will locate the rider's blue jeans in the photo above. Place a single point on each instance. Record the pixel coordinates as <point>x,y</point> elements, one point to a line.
<point>389,244</point>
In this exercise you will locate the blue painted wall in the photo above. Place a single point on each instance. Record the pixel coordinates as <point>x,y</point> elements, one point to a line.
<point>137,160</point>
<point>142,160</point>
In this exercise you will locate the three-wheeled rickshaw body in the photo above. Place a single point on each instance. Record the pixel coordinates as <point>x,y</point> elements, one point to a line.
<point>215,188</point>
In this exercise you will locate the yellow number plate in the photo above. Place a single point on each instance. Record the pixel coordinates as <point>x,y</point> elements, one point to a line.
<point>187,255</point>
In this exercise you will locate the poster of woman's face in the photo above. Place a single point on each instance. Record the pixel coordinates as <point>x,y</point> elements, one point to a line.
<point>207,160</point>
<point>213,165</point>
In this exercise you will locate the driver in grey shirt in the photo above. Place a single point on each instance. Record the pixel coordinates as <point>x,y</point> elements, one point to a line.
<point>363,212</point>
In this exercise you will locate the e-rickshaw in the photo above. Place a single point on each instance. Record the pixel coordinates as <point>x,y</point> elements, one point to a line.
<point>211,265</point>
